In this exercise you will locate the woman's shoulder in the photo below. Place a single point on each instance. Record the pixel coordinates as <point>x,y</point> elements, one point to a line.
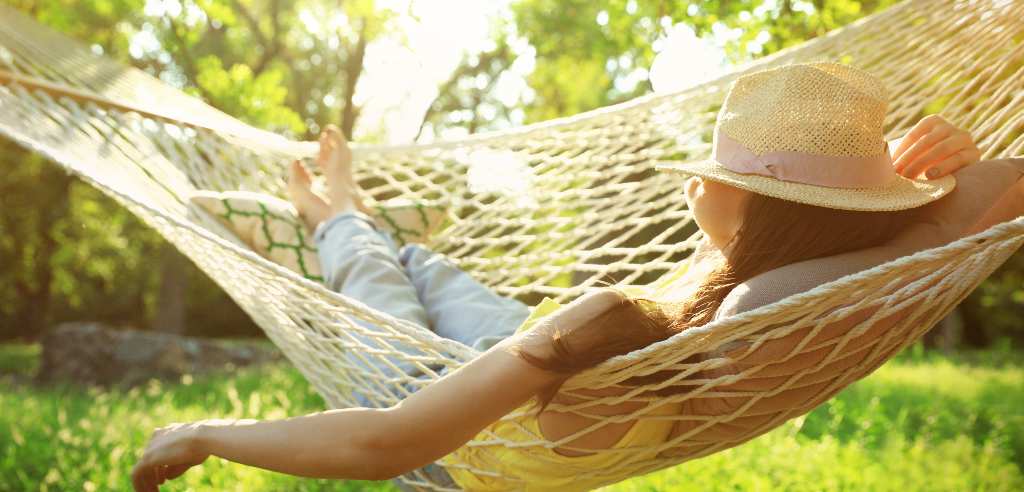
<point>978,188</point>
<point>775,285</point>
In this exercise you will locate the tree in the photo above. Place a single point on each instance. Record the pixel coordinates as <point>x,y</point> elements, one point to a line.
<point>591,54</point>
<point>263,61</point>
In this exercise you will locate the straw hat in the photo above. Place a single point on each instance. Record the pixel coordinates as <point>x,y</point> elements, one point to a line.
<point>810,133</point>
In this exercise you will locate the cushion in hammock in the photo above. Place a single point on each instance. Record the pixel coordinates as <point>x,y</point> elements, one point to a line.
<point>272,227</point>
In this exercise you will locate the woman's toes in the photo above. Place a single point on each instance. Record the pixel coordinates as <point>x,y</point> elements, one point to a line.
<point>332,131</point>
<point>299,185</point>
<point>335,136</point>
<point>308,204</point>
<point>326,148</point>
<point>301,174</point>
<point>294,179</point>
<point>340,155</point>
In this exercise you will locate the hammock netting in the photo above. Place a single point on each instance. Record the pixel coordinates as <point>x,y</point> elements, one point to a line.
<point>592,210</point>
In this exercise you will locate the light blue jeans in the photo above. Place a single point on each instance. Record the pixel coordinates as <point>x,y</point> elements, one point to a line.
<point>415,284</point>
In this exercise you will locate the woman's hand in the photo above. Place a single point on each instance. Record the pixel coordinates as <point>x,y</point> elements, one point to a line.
<point>935,148</point>
<point>171,451</point>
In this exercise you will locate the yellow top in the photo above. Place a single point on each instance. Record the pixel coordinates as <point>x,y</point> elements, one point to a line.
<point>540,468</point>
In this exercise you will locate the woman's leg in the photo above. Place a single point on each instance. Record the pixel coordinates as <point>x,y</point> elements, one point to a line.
<point>457,305</point>
<point>361,262</point>
<point>357,260</point>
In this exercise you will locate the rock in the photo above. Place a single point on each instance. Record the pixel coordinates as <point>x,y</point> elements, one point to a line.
<point>91,353</point>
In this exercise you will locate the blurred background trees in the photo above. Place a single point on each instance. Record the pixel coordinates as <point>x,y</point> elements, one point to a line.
<point>69,253</point>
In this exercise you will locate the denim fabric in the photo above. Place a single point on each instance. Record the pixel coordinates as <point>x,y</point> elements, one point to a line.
<point>415,284</point>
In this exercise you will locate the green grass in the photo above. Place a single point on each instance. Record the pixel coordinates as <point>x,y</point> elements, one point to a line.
<point>922,422</point>
<point>64,437</point>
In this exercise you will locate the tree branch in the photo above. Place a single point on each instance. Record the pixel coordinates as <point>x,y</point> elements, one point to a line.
<point>353,69</point>
<point>463,70</point>
<point>270,46</point>
<point>188,61</point>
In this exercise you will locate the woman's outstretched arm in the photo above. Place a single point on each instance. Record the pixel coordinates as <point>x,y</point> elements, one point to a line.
<point>365,443</point>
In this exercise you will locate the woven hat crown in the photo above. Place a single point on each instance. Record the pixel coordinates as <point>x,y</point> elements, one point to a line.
<point>821,108</point>
<point>810,133</point>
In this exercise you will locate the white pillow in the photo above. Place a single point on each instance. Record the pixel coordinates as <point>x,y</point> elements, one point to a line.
<point>272,227</point>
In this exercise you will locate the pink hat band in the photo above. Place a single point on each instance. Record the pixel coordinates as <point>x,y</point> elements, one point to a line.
<point>800,167</point>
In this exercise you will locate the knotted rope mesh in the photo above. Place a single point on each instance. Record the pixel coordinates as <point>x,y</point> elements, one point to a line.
<point>578,203</point>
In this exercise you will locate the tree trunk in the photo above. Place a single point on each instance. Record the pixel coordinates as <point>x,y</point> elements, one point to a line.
<point>946,334</point>
<point>353,69</point>
<point>170,308</point>
<point>974,334</point>
<point>34,316</point>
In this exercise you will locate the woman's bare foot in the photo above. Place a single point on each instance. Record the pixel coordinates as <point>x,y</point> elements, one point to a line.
<point>335,161</point>
<point>310,206</point>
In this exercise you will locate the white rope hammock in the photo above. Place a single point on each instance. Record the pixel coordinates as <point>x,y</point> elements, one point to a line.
<point>595,210</point>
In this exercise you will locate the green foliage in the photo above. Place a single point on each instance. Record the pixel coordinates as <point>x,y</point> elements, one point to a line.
<point>77,255</point>
<point>238,91</point>
<point>783,23</point>
<point>923,422</point>
<point>96,22</point>
<point>995,310</point>
<point>263,62</point>
<point>19,359</point>
<point>592,54</point>
<point>583,48</point>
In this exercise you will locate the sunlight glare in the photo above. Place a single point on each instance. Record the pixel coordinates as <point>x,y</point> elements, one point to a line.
<point>502,172</point>
<point>685,60</point>
<point>404,71</point>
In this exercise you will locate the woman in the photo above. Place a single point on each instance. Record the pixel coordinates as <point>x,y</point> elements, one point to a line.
<point>796,194</point>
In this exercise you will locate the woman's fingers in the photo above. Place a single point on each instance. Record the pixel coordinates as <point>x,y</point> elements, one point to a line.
<point>166,456</point>
<point>922,128</point>
<point>945,157</point>
<point>925,161</point>
<point>148,475</point>
<point>935,148</point>
<point>918,148</point>
<point>142,478</point>
<point>953,163</point>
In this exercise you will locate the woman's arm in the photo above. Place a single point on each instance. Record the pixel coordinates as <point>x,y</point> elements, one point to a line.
<point>372,444</point>
<point>986,193</point>
<point>1009,206</point>
<point>378,444</point>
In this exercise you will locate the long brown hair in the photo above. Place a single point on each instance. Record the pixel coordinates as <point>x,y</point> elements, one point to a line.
<point>773,233</point>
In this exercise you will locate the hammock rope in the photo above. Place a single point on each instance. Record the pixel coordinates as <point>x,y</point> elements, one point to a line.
<point>592,209</point>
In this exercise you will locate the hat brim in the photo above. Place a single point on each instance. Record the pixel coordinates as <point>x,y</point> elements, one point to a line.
<point>901,194</point>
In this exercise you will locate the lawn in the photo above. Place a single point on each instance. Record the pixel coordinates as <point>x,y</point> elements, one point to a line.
<point>922,422</point>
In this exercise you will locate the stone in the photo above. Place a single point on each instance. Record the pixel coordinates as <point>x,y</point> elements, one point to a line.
<point>94,354</point>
